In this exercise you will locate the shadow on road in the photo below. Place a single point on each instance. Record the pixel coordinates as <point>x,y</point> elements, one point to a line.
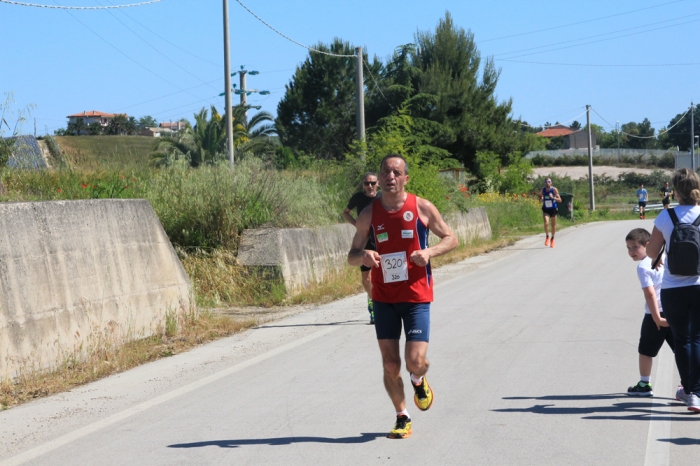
<point>683,441</point>
<point>363,438</point>
<point>637,410</point>
<point>347,322</point>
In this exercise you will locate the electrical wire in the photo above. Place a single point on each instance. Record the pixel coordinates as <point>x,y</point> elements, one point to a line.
<point>646,137</point>
<point>376,85</point>
<point>601,35</point>
<point>599,65</point>
<point>156,49</point>
<point>580,22</point>
<point>310,49</point>
<point>60,7</point>
<point>605,40</point>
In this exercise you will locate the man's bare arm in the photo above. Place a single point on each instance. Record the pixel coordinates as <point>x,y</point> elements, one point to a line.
<point>358,255</point>
<point>557,197</point>
<point>434,221</point>
<point>349,218</point>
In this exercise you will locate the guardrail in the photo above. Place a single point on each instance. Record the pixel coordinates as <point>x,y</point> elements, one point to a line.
<point>653,206</point>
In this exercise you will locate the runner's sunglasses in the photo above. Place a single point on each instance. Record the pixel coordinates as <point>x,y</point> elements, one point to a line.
<point>369,183</point>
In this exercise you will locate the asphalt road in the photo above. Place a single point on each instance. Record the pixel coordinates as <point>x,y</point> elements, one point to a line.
<point>532,351</point>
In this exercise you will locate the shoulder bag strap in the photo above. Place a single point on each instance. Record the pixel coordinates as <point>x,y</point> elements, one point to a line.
<point>674,217</point>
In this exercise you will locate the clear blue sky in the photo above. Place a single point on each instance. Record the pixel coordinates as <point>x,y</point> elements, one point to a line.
<point>166,59</point>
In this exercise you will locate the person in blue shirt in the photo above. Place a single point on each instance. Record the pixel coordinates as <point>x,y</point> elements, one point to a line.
<point>642,196</point>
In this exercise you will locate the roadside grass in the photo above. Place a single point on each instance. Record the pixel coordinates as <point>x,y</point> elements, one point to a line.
<point>108,357</point>
<point>96,153</point>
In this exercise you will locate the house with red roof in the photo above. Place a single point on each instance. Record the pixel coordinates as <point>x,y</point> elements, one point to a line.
<point>573,138</point>
<point>93,116</point>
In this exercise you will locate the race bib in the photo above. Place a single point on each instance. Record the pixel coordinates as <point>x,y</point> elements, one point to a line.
<point>395,267</point>
<point>548,204</point>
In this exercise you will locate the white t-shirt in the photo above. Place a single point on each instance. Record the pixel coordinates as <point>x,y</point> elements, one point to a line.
<point>650,277</point>
<point>663,223</point>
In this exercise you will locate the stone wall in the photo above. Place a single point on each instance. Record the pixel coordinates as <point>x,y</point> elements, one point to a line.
<point>302,256</point>
<point>73,273</point>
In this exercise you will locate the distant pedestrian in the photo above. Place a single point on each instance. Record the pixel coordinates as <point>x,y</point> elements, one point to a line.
<point>642,197</point>
<point>655,329</point>
<point>666,194</point>
<point>359,201</point>
<point>549,197</point>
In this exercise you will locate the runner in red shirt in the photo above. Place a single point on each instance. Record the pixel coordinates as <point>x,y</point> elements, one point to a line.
<point>402,285</point>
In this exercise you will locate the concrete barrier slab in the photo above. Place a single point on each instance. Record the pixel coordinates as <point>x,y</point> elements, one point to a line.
<point>73,272</point>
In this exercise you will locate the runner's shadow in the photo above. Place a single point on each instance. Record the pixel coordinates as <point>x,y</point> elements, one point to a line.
<point>602,396</point>
<point>363,438</point>
<point>683,441</point>
<point>347,322</point>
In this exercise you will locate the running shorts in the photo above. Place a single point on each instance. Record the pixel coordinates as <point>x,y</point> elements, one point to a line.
<point>642,203</point>
<point>652,339</point>
<point>389,317</point>
<point>666,201</point>
<point>552,212</point>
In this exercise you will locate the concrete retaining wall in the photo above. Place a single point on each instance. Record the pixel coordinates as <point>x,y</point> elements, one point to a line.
<point>302,256</point>
<point>75,272</point>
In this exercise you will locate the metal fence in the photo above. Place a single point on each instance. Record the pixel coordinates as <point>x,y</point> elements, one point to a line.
<point>614,154</point>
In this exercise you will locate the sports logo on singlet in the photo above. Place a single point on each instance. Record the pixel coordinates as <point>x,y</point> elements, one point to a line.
<point>408,215</point>
<point>381,237</point>
<point>407,234</point>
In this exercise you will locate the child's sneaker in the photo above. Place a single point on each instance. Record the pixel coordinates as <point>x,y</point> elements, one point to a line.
<point>693,403</point>
<point>641,389</point>
<point>681,396</point>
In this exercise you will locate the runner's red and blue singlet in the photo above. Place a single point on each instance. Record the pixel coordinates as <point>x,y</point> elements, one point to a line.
<point>397,235</point>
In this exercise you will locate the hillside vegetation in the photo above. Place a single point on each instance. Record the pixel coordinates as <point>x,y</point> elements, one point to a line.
<point>106,152</point>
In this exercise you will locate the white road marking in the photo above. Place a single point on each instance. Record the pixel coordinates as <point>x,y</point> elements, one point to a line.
<point>658,447</point>
<point>127,413</point>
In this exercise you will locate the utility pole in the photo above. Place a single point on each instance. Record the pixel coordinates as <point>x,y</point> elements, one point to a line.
<point>617,125</point>
<point>227,86</point>
<point>692,136</point>
<point>590,157</point>
<point>359,95</point>
<point>244,96</point>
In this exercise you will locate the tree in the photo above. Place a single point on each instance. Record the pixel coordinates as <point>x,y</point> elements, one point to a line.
<point>680,133</point>
<point>147,122</point>
<point>575,125</point>
<point>94,128</point>
<point>317,113</point>
<point>644,133</point>
<point>118,125</point>
<point>76,127</point>
<point>205,142</point>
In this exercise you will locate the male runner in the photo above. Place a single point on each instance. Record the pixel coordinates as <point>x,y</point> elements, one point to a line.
<point>359,201</point>
<point>642,196</point>
<point>666,194</point>
<point>549,197</point>
<point>402,285</point>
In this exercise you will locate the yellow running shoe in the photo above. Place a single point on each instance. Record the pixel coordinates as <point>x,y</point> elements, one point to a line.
<point>423,395</point>
<point>402,428</point>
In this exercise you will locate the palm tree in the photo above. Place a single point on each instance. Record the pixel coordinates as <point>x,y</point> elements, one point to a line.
<point>77,126</point>
<point>205,142</point>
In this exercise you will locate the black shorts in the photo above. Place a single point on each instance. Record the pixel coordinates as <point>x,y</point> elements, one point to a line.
<point>552,212</point>
<point>666,201</point>
<point>652,339</point>
<point>370,245</point>
<point>642,203</point>
<point>390,317</point>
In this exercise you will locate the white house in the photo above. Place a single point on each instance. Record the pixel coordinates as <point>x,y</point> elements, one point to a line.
<point>93,116</point>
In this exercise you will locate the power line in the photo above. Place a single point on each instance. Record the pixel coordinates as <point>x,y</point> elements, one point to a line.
<point>646,137</point>
<point>601,35</point>
<point>580,22</point>
<point>375,83</point>
<point>596,64</point>
<point>158,51</point>
<point>310,49</point>
<point>604,40</point>
<point>166,40</point>
<point>60,7</point>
